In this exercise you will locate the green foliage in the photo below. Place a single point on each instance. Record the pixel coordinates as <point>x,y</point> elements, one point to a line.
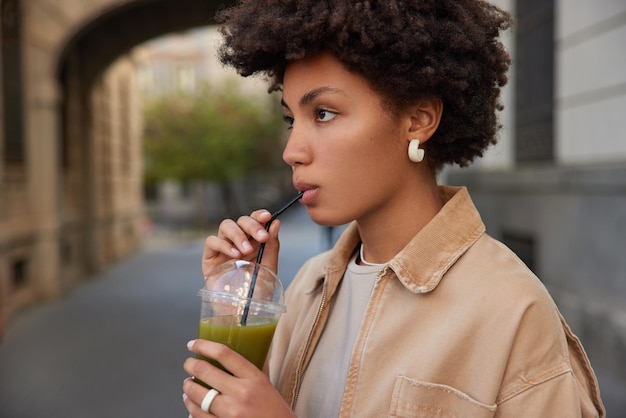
<point>215,135</point>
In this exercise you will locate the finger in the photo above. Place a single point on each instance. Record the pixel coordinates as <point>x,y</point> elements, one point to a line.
<point>254,225</point>
<point>193,392</point>
<point>262,216</point>
<point>233,238</point>
<point>193,395</point>
<point>217,251</point>
<point>237,235</point>
<point>232,361</point>
<point>270,255</point>
<point>206,372</point>
<point>215,247</point>
<point>272,247</point>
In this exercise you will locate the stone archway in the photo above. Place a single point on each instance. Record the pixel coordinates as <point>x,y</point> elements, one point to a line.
<point>99,41</point>
<point>89,50</point>
<point>66,47</point>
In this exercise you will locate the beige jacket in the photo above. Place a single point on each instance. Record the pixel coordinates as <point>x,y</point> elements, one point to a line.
<point>457,326</point>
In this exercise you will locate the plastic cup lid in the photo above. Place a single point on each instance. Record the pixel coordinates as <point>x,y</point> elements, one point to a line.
<point>236,300</point>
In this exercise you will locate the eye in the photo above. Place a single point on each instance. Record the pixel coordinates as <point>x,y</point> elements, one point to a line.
<point>324,115</point>
<point>289,121</point>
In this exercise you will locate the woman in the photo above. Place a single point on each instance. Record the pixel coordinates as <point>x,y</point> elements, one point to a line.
<point>416,311</point>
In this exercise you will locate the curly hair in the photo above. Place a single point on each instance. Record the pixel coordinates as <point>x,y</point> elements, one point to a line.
<point>406,49</point>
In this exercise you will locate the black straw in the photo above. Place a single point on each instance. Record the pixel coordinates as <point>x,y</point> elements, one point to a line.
<point>259,257</point>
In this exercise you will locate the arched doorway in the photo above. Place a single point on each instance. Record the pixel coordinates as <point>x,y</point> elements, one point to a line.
<point>87,235</point>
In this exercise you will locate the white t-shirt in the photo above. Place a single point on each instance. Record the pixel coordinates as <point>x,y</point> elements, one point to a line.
<point>325,378</point>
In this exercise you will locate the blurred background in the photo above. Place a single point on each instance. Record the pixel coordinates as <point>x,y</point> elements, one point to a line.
<point>123,143</point>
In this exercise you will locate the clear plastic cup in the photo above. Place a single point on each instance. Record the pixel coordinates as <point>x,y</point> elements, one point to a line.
<point>233,315</point>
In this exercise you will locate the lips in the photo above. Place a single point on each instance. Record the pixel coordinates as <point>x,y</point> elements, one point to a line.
<point>310,192</point>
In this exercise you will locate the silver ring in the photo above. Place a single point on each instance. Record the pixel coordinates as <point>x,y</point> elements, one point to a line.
<point>208,400</point>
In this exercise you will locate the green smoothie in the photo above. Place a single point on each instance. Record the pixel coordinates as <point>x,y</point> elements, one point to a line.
<point>251,340</point>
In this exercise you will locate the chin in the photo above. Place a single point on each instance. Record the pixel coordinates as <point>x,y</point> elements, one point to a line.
<point>325,219</point>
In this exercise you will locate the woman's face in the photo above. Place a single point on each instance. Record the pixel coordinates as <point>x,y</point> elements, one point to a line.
<point>347,153</point>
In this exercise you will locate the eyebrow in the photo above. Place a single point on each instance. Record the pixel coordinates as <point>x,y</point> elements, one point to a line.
<point>311,95</point>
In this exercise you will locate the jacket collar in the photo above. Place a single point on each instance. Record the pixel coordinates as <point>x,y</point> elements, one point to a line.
<point>421,265</point>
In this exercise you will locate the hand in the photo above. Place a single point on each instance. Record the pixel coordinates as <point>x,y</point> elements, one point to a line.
<point>241,240</point>
<point>246,393</point>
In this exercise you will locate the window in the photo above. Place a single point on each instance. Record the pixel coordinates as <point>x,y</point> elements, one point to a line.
<point>185,77</point>
<point>145,77</point>
<point>534,89</point>
<point>19,273</point>
<point>522,244</point>
<point>12,82</point>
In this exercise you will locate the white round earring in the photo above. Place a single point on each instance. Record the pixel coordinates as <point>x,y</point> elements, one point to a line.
<point>416,154</point>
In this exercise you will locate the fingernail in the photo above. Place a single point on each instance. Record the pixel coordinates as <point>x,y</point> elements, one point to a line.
<point>234,251</point>
<point>261,234</point>
<point>184,397</point>
<point>190,344</point>
<point>246,246</point>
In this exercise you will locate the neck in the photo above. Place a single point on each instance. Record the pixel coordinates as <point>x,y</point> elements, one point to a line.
<point>361,260</point>
<point>385,234</point>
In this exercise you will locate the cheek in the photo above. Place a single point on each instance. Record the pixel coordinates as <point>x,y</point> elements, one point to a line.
<point>361,170</point>
<point>362,153</point>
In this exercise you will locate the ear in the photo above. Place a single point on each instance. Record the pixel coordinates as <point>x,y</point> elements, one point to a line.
<point>425,118</point>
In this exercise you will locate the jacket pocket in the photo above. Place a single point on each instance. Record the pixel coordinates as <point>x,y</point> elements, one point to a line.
<point>415,399</point>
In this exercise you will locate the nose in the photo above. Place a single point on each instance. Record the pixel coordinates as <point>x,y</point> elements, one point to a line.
<point>297,151</point>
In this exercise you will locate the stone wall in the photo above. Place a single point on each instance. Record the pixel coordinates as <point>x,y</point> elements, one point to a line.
<point>44,211</point>
<point>73,205</point>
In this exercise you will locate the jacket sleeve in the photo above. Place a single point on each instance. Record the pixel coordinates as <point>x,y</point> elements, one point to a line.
<point>559,396</point>
<point>548,374</point>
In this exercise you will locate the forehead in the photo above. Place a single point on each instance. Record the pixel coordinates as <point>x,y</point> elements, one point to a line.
<point>322,73</point>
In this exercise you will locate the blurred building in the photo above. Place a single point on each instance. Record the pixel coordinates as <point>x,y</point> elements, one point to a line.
<point>185,62</point>
<point>554,188</point>
<point>70,174</point>
<point>70,163</point>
